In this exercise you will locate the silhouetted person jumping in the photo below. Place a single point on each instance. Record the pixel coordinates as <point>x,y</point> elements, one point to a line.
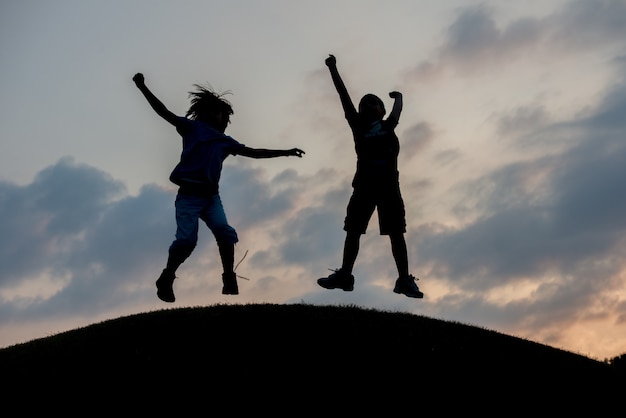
<point>205,147</point>
<point>375,186</point>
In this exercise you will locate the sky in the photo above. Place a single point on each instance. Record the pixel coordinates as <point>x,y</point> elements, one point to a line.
<point>512,161</point>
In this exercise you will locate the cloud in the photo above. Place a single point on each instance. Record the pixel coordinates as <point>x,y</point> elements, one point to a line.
<point>416,139</point>
<point>608,118</point>
<point>300,215</point>
<point>475,43</point>
<point>254,202</point>
<point>522,120</point>
<point>42,222</point>
<point>550,213</point>
<point>541,241</point>
<point>521,231</point>
<point>76,231</point>
<point>588,24</point>
<point>76,243</point>
<point>316,232</point>
<point>447,156</point>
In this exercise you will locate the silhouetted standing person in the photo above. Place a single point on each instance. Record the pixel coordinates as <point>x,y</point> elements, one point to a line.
<point>205,147</point>
<point>375,186</point>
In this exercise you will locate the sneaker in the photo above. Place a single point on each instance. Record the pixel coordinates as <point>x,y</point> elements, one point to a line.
<point>338,280</point>
<point>164,286</point>
<point>406,285</point>
<point>230,284</point>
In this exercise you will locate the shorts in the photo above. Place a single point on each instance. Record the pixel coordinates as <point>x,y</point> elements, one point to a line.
<point>191,208</point>
<point>386,199</point>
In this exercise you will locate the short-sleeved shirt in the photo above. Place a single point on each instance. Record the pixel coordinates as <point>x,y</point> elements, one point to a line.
<point>203,154</point>
<point>377,148</point>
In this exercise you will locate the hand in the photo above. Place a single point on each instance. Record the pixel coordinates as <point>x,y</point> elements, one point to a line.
<point>139,80</point>
<point>296,152</point>
<point>395,95</point>
<point>331,61</point>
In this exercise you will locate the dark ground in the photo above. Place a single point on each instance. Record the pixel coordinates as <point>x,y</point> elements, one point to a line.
<point>295,359</point>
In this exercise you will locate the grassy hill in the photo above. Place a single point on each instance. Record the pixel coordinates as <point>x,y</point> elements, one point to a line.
<point>294,359</point>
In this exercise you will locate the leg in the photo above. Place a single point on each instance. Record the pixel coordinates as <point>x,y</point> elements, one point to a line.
<point>360,209</point>
<point>392,221</point>
<point>350,251</point>
<point>343,278</point>
<point>229,278</point>
<point>358,214</point>
<point>391,215</point>
<point>179,251</point>
<point>405,284</point>
<point>188,211</point>
<point>181,248</point>
<point>399,251</point>
<point>227,255</point>
<point>226,237</point>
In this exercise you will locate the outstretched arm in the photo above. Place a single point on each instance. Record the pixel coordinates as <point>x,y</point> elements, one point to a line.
<point>397,105</point>
<point>155,103</point>
<point>346,101</point>
<point>269,153</point>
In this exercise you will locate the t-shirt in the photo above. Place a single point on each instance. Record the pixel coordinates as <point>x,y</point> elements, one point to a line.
<point>377,148</point>
<point>204,151</point>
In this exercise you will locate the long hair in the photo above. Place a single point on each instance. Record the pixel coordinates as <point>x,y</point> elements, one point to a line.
<point>205,101</point>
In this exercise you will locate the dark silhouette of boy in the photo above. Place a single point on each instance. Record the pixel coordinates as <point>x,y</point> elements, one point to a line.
<point>375,185</point>
<point>205,147</point>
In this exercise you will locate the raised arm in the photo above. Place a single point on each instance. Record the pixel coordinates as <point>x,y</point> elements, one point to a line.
<point>346,101</point>
<point>269,153</point>
<point>397,105</point>
<point>155,103</point>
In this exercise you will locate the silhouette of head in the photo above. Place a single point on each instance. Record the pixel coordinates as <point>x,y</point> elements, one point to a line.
<point>372,107</point>
<point>210,107</point>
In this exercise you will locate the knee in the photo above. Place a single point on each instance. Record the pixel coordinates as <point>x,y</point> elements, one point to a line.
<point>182,247</point>
<point>226,235</point>
<point>353,236</point>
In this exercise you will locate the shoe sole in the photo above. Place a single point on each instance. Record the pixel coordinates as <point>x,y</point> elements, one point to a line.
<point>345,289</point>
<point>414,296</point>
<point>165,298</point>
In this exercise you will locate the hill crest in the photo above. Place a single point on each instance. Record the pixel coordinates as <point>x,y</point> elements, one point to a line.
<point>296,349</point>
